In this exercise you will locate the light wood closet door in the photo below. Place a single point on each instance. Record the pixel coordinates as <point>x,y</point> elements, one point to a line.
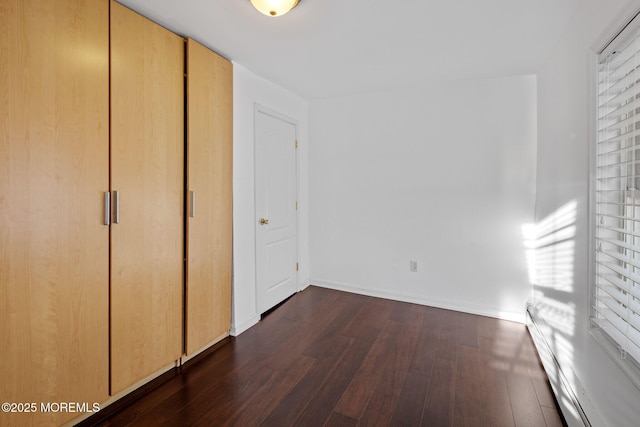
<point>54,170</point>
<point>147,164</point>
<point>209,175</point>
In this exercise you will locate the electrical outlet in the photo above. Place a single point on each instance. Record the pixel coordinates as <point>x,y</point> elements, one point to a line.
<point>413,265</point>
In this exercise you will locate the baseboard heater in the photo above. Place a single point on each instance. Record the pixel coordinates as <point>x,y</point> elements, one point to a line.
<point>551,364</point>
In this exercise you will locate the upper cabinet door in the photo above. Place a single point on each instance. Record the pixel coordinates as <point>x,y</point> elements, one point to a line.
<point>54,170</point>
<point>209,181</point>
<point>147,172</point>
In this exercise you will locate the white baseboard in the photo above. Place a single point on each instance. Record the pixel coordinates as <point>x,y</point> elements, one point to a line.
<point>238,328</point>
<point>574,403</point>
<point>418,299</point>
<point>304,284</point>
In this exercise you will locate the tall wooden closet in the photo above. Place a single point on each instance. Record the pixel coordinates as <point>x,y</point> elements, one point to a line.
<point>54,168</point>
<point>100,287</point>
<point>147,175</point>
<point>209,174</point>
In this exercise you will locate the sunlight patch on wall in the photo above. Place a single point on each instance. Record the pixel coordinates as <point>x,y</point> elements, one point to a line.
<point>550,249</point>
<point>550,254</point>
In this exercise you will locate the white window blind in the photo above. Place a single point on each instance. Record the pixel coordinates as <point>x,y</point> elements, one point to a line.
<point>616,296</point>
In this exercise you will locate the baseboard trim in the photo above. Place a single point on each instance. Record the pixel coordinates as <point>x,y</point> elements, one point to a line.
<point>304,285</point>
<point>417,299</point>
<point>206,349</point>
<point>237,329</point>
<point>203,354</point>
<point>573,401</point>
<point>122,399</point>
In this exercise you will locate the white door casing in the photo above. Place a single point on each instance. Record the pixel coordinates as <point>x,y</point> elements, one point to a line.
<point>275,219</point>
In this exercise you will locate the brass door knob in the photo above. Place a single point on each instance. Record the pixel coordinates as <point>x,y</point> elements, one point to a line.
<point>264,221</point>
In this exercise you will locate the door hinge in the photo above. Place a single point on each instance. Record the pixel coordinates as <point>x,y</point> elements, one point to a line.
<point>296,143</point>
<point>296,205</point>
<point>297,267</point>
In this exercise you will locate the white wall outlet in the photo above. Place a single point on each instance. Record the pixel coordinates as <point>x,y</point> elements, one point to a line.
<point>413,265</point>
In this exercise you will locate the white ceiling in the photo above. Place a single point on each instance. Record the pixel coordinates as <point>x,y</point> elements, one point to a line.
<point>329,48</point>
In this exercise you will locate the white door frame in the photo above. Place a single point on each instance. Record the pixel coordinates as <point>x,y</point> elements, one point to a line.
<point>259,108</point>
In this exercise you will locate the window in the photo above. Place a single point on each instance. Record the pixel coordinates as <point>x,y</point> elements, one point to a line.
<point>616,292</point>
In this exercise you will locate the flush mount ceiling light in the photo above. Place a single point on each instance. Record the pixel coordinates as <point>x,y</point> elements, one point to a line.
<point>274,7</point>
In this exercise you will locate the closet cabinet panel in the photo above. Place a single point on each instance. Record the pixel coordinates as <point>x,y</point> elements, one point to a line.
<point>54,170</point>
<point>209,182</point>
<point>147,172</point>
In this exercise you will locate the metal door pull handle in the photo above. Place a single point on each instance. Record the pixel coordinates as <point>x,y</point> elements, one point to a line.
<point>116,207</point>
<point>107,208</point>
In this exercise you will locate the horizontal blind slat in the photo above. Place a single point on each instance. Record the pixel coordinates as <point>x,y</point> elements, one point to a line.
<point>605,325</point>
<point>622,258</point>
<point>621,124</point>
<point>617,230</point>
<point>620,102</point>
<point>622,244</point>
<point>618,320</point>
<point>620,217</point>
<point>615,288</point>
<point>626,136</point>
<point>625,163</point>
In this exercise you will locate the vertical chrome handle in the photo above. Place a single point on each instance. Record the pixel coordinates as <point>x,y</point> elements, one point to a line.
<point>192,204</point>
<point>107,208</point>
<point>116,207</point>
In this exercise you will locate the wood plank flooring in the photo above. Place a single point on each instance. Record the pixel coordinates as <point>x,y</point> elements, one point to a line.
<point>329,358</point>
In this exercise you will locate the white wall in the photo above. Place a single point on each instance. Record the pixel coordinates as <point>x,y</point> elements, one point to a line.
<point>442,174</point>
<point>562,288</point>
<point>249,89</point>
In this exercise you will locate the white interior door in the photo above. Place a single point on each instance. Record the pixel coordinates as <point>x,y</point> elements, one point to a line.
<point>275,157</point>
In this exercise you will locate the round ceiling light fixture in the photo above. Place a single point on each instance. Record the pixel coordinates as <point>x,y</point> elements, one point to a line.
<point>274,7</point>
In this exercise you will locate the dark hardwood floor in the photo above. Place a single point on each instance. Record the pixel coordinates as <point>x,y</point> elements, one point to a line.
<point>329,358</point>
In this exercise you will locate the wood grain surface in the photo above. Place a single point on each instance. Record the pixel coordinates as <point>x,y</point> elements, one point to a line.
<point>54,160</point>
<point>209,176</point>
<point>147,153</point>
